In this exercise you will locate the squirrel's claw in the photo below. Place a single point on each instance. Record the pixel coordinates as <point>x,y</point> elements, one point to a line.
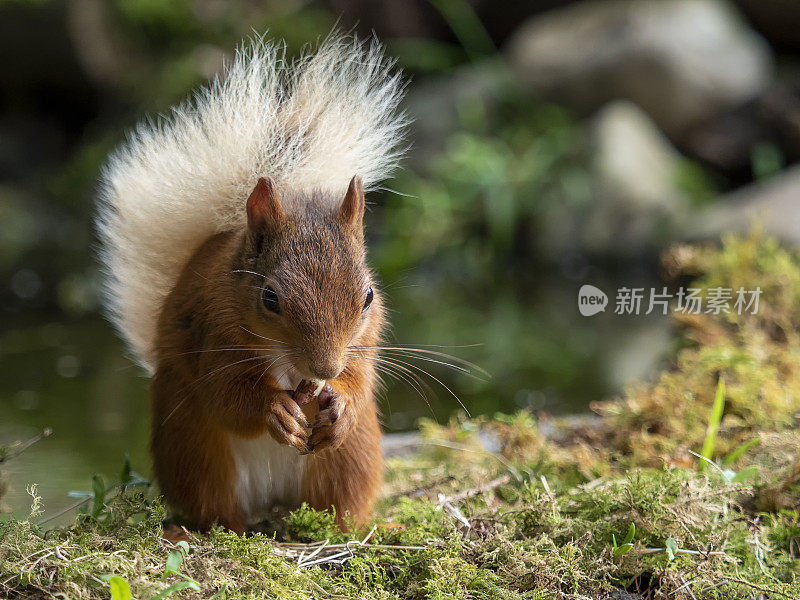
<point>334,421</point>
<point>287,423</point>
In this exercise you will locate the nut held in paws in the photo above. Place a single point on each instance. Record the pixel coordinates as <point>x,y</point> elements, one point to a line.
<point>307,390</point>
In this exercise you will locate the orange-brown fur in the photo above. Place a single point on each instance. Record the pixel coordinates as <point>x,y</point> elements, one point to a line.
<point>207,386</point>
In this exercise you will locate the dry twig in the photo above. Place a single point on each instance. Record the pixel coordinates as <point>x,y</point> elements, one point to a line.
<point>22,446</point>
<point>318,553</point>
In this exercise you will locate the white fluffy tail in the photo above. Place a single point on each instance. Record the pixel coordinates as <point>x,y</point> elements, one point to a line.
<point>310,124</point>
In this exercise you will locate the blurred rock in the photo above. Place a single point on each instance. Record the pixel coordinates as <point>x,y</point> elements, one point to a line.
<point>777,20</point>
<point>639,352</point>
<point>634,168</point>
<point>773,204</point>
<point>727,143</point>
<point>397,445</point>
<point>423,19</point>
<point>683,61</point>
<point>389,18</point>
<point>434,107</point>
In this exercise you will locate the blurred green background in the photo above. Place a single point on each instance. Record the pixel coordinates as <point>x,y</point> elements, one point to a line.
<point>555,143</point>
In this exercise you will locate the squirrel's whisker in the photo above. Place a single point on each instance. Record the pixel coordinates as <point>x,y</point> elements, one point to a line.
<point>274,362</point>
<point>255,287</point>
<point>196,382</point>
<point>455,367</point>
<point>398,345</point>
<point>229,365</point>
<point>399,376</point>
<point>264,337</point>
<point>412,379</point>
<point>408,368</point>
<point>253,348</point>
<point>203,377</point>
<point>384,367</point>
<point>423,350</point>
<point>382,361</point>
<point>251,272</point>
<point>384,372</point>
<point>285,371</point>
<point>436,379</point>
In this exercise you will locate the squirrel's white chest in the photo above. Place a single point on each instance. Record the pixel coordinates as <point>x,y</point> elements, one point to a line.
<point>267,473</point>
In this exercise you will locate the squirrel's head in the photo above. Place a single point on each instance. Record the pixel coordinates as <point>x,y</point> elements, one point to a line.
<point>305,282</point>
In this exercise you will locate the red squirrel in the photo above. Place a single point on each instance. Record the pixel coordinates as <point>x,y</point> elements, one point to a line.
<point>236,270</point>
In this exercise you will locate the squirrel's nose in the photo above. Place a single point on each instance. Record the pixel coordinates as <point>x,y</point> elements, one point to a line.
<point>327,373</point>
<point>325,368</point>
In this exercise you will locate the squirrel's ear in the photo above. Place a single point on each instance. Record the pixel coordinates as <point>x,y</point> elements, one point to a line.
<point>264,205</point>
<point>352,209</point>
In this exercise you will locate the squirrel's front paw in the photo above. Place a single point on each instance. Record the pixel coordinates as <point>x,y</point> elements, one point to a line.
<point>334,420</point>
<point>287,423</point>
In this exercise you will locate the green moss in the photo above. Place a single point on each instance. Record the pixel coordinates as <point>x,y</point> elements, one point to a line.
<point>308,525</point>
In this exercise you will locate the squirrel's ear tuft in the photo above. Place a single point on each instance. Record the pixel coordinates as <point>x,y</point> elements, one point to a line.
<point>352,209</point>
<point>264,204</point>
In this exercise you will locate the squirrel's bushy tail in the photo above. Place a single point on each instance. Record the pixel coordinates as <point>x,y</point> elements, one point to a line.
<point>310,124</point>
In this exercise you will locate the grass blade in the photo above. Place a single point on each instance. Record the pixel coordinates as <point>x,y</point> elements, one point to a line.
<point>713,422</point>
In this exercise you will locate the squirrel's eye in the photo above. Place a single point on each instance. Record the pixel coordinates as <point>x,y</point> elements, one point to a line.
<point>368,300</point>
<point>270,300</point>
